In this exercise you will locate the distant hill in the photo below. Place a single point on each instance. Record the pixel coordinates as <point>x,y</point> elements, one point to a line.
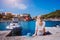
<point>55,14</point>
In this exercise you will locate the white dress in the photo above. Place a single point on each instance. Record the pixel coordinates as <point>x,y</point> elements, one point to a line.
<point>40,28</point>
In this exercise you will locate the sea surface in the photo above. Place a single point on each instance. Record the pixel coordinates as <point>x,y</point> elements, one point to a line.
<point>28,27</point>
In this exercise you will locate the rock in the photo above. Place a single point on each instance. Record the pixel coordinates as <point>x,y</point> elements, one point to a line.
<point>16,32</point>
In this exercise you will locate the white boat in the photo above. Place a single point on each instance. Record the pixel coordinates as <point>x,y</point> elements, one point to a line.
<point>12,25</point>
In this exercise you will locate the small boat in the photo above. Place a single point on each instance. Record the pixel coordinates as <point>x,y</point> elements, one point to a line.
<point>12,25</point>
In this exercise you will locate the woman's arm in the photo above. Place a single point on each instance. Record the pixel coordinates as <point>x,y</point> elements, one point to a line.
<point>36,29</point>
<point>44,30</point>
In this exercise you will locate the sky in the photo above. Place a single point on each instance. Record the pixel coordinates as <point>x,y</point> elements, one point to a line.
<point>32,7</point>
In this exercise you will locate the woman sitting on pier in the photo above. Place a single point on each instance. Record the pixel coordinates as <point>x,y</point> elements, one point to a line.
<point>40,26</point>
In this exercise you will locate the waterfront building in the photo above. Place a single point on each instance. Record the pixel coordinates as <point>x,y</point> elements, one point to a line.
<point>24,17</point>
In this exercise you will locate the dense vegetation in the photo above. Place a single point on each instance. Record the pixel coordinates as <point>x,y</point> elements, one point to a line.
<point>55,14</point>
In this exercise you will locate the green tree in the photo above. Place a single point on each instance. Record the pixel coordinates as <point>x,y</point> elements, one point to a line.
<point>1,16</point>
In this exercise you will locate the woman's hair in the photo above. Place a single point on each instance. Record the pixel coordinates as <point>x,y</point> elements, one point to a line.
<point>39,18</point>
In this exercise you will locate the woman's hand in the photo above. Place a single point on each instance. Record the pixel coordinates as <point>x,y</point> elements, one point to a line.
<point>35,34</point>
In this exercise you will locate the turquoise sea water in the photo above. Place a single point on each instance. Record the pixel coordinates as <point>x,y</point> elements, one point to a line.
<point>29,26</point>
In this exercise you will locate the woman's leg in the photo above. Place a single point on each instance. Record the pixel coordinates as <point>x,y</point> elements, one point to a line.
<point>44,31</point>
<point>39,33</point>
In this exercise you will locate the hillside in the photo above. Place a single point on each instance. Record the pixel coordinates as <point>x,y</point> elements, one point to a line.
<point>55,14</point>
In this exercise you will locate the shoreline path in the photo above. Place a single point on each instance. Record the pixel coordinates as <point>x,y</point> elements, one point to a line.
<point>54,36</point>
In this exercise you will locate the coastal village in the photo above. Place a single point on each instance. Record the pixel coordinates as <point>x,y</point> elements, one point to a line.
<point>9,16</point>
<point>53,16</point>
